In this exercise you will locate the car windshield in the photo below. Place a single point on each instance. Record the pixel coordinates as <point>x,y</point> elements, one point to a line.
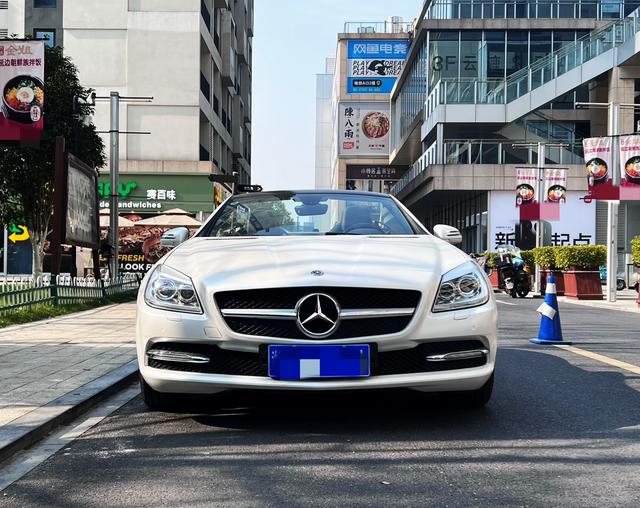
<point>310,213</point>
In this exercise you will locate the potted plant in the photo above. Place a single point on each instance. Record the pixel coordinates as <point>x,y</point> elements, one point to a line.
<point>580,264</point>
<point>635,257</point>
<point>492,260</point>
<point>545,257</point>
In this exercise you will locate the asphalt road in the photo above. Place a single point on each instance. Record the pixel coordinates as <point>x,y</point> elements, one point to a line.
<point>561,430</point>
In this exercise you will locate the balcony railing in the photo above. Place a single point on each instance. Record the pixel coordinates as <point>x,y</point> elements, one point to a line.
<point>377,27</point>
<point>493,152</point>
<point>205,87</point>
<point>557,63</point>
<point>519,9</point>
<point>206,15</point>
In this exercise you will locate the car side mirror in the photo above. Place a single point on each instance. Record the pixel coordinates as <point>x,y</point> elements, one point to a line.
<point>447,233</point>
<point>174,237</point>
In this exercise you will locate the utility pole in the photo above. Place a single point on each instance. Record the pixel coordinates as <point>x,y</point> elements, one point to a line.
<point>114,166</point>
<point>612,206</point>
<point>541,145</point>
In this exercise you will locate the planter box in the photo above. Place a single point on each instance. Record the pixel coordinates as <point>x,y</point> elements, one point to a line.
<point>494,278</point>
<point>582,285</point>
<point>558,277</point>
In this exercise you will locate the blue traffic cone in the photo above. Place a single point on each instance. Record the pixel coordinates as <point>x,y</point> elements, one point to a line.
<point>550,331</point>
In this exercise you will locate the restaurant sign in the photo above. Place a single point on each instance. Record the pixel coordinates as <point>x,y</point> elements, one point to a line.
<point>374,172</point>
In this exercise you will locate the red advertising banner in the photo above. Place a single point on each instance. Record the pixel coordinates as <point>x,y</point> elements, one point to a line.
<point>629,168</point>
<point>529,203</point>
<point>598,156</point>
<point>555,185</point>
<point>22,84</point>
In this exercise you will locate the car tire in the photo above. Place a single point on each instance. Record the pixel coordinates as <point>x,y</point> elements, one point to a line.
<point>476,399</point>
<point>620,285</point>
<point>153,399</point>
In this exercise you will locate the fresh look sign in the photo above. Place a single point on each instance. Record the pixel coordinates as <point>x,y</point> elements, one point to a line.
<point>22,85</point>
<point>374,65</point>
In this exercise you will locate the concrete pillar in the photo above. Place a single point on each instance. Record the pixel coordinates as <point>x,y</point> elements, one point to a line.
<point>622,91</point>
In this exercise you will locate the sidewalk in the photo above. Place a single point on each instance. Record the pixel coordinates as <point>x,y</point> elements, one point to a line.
<point>625,301</point>
<point>51,369</point>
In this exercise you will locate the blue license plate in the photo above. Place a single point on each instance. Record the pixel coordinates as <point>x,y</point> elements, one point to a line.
<point>322,361</point>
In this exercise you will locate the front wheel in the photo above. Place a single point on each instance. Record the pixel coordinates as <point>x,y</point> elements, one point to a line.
<point>153,399</point>
<point>522,293</point>
<point>620,285</point>
<point>476,398</point>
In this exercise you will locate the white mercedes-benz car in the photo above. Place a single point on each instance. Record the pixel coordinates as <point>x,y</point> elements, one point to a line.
<point>315,290</point>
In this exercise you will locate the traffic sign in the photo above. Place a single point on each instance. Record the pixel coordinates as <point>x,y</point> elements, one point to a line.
<point>222,178</point>
<point>248,188</point>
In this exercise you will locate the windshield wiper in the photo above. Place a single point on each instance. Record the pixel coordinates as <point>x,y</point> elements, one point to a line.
<point>339,233</point>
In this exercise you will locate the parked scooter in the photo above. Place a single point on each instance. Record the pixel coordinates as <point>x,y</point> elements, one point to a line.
<point>513,278</point>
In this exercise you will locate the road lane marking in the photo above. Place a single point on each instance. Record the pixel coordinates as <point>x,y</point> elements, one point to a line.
<point>601,358</point>
<point>27,460</point>
<point>504,303</point>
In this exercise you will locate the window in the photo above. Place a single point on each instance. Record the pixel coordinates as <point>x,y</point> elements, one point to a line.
<point>48,36</point>
<point>51,4</point>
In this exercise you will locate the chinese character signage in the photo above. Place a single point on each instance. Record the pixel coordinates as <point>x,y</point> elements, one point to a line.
<point>374,172</point>
<point>374,65</point>
<point>555,185</point>
<point>364,128</point>
<point>576,226</point>
<point>598,157</point>
<point>22,84</point>
<point>527,179</point>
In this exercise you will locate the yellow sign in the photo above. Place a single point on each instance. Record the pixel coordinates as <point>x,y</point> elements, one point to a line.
<point>18,234</point>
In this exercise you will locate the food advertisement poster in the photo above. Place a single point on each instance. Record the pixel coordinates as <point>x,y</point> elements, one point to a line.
<point>527,181</point>
<point>629,167</point>
<point>22,82</point>
<point>364,128</point>
<point>555,185</point>
<point>598,156</point>
<point>374,65</point>
<point>139,246</point>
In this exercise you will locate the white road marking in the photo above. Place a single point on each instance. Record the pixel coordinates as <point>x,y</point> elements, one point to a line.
<point>504,303</point>
<point>27,460</point>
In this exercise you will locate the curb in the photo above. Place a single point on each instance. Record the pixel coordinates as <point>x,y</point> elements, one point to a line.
<point>59,318</point>
<point>601,305</point>
<point>32,427</point>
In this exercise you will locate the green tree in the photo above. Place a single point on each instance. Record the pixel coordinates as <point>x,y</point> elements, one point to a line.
<point>27,169</point>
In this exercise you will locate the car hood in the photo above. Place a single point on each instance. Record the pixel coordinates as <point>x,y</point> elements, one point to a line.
<point>370,261</point>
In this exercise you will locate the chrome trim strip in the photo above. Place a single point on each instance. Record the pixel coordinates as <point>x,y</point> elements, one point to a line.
<point>260,313</point>
<point>292,314</point>
<point>458,355</point>
<point>375,313</point>
<point>176,356</point>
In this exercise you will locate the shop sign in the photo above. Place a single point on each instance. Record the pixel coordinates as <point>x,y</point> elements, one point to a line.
<point>576,225</point>
<point>374,65</point>
<point>153,193</point>
<point>22,85</point>
<point>18,233</point>
<point>364,128</point>
<point>374,172</point>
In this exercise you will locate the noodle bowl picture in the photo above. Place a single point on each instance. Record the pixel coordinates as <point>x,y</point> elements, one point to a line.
<point>632,170</point>
<point>597,169</point>
<point>23,99</point>
<point>376,125</point>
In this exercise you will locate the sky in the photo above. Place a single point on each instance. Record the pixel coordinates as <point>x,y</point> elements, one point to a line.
<point>291,40</point>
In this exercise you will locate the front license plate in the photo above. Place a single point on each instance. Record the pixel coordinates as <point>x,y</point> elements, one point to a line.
<point>323,361</point>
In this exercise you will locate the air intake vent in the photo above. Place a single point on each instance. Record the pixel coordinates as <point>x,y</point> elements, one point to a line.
<point>4,4</point>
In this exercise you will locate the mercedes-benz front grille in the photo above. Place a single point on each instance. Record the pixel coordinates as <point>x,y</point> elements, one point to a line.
<point>356,312</point>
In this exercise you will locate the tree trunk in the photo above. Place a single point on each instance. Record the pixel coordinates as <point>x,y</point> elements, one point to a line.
<point>37,247</point>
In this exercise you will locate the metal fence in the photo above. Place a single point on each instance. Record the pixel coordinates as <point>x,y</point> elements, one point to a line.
<point>22,292</point>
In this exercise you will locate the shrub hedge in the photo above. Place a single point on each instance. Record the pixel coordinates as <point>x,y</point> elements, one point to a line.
<point>635,250</point>
<point>582,257</point>
<point>545,257</point>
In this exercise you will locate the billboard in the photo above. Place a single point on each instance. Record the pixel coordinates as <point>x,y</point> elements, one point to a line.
<point>576,225</point>
<point>82,220</point>
<point>22,85</point>
<point>364,128</point>
<point>374,65</point>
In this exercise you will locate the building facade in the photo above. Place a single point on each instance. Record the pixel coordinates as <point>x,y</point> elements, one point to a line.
<point>482,76</point>
<point>324,124</point>
<point>194,57</point>
<point>368,59</point>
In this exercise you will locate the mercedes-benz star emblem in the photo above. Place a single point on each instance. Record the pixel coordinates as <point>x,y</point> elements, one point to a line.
<point>317,273</point>
<point>317,315</point>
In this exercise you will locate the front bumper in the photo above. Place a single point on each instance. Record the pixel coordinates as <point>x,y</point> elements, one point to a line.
<point>156,326</point>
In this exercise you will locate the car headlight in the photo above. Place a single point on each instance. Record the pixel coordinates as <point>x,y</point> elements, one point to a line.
<point>170,289</point>
<point>461,288</point>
